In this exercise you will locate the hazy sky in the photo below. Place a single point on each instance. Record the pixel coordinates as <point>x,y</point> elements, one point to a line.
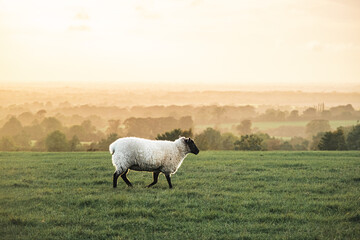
<point>271,42</point>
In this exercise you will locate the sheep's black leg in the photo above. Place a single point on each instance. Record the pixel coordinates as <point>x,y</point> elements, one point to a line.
<point>168,179</point>
<point>155,176</point>
<point>116,176</point>
<point>123,176</point>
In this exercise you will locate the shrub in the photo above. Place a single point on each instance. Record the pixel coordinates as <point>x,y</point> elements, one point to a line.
<point>333,141</point>
<point>353,138</point>
<point>250,142</point>
<point>174,134</point>
<point>209,139</point>
<point>74,143</point>
<point>103,144</point>
<point>56,142</point>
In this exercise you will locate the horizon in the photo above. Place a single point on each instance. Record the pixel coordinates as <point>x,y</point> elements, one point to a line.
<point>176,87</point>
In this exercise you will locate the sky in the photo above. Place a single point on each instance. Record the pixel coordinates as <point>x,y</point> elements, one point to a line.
<point>313,44</point>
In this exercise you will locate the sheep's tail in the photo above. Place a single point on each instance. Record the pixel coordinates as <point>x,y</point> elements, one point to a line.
<point>112,148</point>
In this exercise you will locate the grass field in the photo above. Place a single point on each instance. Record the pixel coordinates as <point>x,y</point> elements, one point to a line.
<point>216,195</point>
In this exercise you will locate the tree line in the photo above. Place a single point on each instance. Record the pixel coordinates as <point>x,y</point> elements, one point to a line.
<point>43,134</point>
<point>343,138</point>
<point>209,114</point>
<point>49,134</point>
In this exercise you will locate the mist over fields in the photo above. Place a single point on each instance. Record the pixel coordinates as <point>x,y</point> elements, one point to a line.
<point>91,115</point>
<point>106,95</point>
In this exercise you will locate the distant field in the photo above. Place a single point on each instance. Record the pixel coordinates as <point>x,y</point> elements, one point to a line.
<point>216,195</point>
<point>262,126</point>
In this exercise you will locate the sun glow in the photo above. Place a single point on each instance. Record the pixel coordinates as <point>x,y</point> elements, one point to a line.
<point>208,42</point>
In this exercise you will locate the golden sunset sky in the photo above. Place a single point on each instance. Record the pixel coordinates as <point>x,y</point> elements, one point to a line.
<point>264,43</point>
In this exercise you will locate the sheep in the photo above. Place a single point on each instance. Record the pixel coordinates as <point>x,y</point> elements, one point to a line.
<point>149,155</point>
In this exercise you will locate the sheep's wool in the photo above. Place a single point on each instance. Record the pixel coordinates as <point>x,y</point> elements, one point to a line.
<point>148,155</point>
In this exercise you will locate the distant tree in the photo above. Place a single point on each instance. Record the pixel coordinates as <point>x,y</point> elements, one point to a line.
<point>65,104</point>
<point>56,142</point>
<point>174,134</point>
<point>328,142</point>
<point>346,130</point>
<point>186,122</point>
<point>228,140</point>
<point>87,125</point>
<point>286,146</point>
<point>139,127</point>
<point>269,143</point>
<point>342,110</point>
<point>104,144</point>
<point>74,143</point>
<point>281,115</point>
<point>48,105</point>
<point>77,130</point>
<point>244,128</point>
<point>286,131</point>
<point>209,139</point>
<point>11,128</point>
<point>218,113</point>
<point>316,140</point>
<point>294,115</point>
<point>316,126</point>
<point>309,113</point>
<point>40,115</point>
<point>34,131</point>
<point>51,124</point>
<point>272,144</point>
<point>22,141</point>
<point>26,118</point>
<point>97,121</point>
<point>353,138</point>
<point>7,144</point>
<point>85,132</point>
<point>114,126</point>
<point>149,127</point>
<point>333,141</point>
<point>249,143</point>
<point>299,143</point>
<point>273,115</point>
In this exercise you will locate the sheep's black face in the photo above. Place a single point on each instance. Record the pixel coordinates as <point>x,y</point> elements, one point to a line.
<point>192,146</point>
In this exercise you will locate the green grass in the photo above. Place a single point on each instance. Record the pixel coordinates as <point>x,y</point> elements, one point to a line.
<point>216,195</point>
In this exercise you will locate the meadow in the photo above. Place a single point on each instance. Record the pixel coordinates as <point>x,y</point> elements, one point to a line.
<point>216,195</point>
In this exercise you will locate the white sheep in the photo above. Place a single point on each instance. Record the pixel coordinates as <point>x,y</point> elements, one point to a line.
<point>149,155</point>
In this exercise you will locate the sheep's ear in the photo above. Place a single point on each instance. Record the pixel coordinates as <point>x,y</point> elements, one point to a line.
<point>184,138</point>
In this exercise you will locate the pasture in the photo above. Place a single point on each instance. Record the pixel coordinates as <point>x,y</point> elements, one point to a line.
<point>216,195</point>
